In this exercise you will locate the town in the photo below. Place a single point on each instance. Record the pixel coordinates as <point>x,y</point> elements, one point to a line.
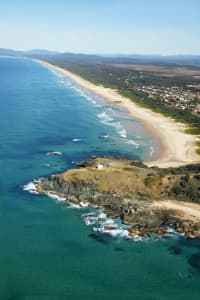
<point>185,99</point>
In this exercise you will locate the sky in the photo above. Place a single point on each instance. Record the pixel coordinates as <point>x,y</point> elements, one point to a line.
<point>102,26</point>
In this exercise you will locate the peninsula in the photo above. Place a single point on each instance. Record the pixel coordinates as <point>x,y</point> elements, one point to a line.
<point>148,199</point>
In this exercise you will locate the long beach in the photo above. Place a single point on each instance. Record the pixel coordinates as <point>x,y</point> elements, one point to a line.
<point>178,147</point>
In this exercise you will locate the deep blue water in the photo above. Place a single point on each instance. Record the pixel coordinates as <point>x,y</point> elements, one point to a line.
<point>46,251</point>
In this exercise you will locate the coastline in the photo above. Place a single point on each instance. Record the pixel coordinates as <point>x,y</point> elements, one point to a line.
<point>178,147</point>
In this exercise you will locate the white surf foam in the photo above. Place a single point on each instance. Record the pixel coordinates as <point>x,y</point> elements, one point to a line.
<point>54,153</point>
<point>78,206</point>
<point>84,204</point>
<point>89,220</point>
<point>151,151</point>
<point>73,205</point>
<point>123,133</point>
<point>104,137</point>
<point>116,125</point>
<point>117,232</point>
<point>102,215</point>
<point>56,197</point>
<point>132,142</point>
<point>104,117</point>
<point>108,221</point>
<point>108,120</point>
<point>83,94</point>
<point>88,98</point>
<point>117,228</point>
<point>69,83</point>
<point>30,187</point>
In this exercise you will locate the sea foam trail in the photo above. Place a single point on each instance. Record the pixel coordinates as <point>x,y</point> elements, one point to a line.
<point>76,140</point>
<point>68,83</point>
<point>108,120</point>
<point>83,94</point>
<point>105,117</point>
<point>81,205</point>
<point>123,133</point>
<point>118,232</point>
<point>54,153</point>
<point>56,197</point>
<point>132,142</point>
<point>31,188</point>
<point>104,225</point>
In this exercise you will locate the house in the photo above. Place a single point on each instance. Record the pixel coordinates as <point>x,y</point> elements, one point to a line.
<point>100,166</point>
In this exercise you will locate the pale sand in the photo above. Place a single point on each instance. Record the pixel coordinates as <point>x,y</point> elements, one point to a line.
<point>178,147</point>
<point>186,210</point>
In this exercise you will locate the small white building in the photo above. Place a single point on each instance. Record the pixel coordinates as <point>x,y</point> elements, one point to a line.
<point>99,166</point>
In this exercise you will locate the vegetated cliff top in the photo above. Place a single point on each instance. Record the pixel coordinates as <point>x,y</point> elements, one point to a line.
<point>129,178</point>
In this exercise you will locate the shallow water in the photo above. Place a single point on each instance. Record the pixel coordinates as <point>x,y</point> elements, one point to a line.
<point>46,250</point>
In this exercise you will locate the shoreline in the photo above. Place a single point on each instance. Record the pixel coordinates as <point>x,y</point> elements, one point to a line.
<point>177,147</point>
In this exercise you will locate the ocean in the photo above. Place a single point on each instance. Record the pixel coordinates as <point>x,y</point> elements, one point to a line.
<point>46,249</point>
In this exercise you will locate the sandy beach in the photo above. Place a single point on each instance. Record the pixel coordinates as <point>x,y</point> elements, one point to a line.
<point>178,148</point>
<point>188,210</point>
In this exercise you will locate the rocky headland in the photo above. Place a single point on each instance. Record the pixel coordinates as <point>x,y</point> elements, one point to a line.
<point>148,199</point>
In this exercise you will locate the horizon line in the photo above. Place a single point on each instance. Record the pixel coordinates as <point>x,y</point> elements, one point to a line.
<point>102,54</point>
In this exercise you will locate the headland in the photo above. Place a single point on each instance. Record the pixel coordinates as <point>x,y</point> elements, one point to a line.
<point>147,199</point>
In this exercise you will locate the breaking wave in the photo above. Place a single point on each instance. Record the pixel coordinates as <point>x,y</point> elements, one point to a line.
<point>132,142</point>
<point>108,120</point>
<point>31,187</point>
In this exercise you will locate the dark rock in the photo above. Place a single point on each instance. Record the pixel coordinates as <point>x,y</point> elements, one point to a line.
<point>175,249</point>
<point>99,238</point>
<point>194,261</point>
<point>119,249</point>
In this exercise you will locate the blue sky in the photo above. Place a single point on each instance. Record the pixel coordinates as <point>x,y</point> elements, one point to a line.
<point>102,26</point>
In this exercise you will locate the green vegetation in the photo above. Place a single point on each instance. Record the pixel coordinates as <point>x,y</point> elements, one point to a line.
<point>152,180</point>
<point>198,147</point>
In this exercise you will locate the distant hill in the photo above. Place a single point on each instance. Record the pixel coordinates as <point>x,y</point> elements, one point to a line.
<point>42,52</point>
<point>152,59</point>
<point>110,59</point>
<point>79,56</point>
<point>34,52</point>
<point>9,52</point>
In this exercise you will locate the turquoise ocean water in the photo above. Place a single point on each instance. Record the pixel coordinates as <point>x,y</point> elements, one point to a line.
<point>46,250</point>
